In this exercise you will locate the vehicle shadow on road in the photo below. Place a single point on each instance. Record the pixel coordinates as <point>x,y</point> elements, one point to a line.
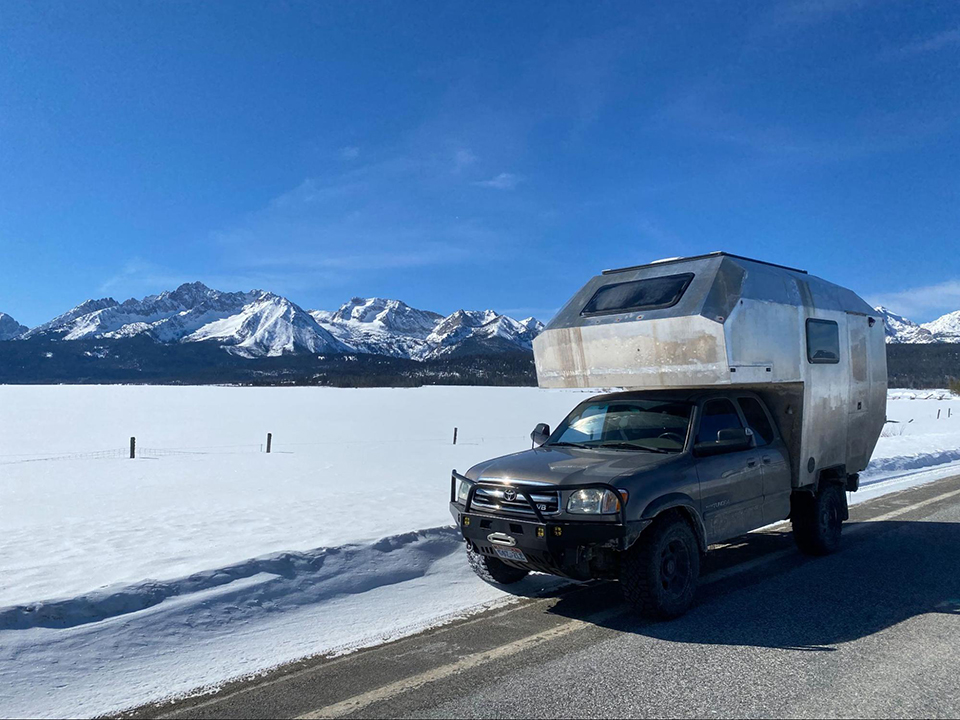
<point>888,573</point>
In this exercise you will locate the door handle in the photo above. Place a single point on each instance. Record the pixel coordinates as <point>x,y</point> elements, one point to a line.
<point>767,460</point>
<point>751,463</point>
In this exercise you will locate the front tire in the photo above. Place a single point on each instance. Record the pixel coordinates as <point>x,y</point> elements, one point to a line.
<point>492,570</point>
<point>658,575</point>
<point>818,520</point>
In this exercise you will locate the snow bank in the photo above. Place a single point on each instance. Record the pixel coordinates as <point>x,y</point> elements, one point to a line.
<point>123,581</point>
<point>344,570</point>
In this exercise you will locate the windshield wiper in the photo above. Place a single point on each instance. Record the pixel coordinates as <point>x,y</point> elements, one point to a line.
<point>632,446</point>
<point>569,444</point>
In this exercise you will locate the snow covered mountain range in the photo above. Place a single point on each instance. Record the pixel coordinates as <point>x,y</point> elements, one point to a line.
<point>262,324</point>
<point>945,329</point>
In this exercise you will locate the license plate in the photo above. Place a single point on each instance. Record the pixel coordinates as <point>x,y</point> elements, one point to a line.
<point>510,554</point>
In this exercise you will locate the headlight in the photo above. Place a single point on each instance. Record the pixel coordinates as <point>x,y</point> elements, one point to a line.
<point>593,502</point>
<point>463,488</point>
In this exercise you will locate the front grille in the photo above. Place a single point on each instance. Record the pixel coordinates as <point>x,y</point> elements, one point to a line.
<point>492,498</point>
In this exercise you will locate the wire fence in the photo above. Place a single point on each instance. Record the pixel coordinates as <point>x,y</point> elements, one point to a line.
<point>284,448</point>
<point>95,455</point>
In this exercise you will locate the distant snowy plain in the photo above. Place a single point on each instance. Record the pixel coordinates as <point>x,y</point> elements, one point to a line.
<point>127,581</point>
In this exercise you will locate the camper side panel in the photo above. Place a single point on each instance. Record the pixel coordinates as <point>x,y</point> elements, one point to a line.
<point>671,352</point>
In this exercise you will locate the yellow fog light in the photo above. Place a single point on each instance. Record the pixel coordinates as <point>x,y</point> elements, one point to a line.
<point>540,532</point>
<point>466,520</point>
<point>558,531</point>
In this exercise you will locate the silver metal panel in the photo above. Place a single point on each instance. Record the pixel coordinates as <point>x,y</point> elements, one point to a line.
<point>739,323</point>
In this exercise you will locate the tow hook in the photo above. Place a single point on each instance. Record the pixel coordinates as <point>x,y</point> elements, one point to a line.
<point>501,539</point>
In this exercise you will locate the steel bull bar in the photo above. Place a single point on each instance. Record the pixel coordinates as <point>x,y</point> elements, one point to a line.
<point>550,543</point>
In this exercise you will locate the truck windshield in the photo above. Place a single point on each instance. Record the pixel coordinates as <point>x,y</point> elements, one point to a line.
<point>651,425</point>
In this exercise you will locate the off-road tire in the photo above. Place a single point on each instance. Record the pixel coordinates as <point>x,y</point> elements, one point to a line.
<point>818,520</point>
<point>492,570</point>
<point>658,575</point>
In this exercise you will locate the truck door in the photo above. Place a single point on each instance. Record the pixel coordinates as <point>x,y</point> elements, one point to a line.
<point>731,481</point>
<point>774,459</point>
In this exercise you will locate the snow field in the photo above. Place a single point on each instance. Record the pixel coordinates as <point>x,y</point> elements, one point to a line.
<point>348,466</point>
<point>125,581</point>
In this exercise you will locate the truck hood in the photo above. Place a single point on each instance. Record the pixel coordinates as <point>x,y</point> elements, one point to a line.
<point>569,466</point>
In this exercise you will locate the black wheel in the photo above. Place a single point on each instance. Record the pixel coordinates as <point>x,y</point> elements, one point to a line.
<point>492,570</point>
<point>818,520</point>
<point>658,575</point>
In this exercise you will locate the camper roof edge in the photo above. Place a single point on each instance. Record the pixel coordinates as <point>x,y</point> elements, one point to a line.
<point>718,253</point>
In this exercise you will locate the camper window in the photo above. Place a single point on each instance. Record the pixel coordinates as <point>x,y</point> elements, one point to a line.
<point>648,294</point>
<point>823,341</point>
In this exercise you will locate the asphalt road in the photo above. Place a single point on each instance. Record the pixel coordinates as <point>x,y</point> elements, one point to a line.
<point>871,631</point>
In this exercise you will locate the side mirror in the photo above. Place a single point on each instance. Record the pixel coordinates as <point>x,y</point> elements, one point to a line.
<point>540,434</point>
<point>733,436</point>
<point>728,440</point>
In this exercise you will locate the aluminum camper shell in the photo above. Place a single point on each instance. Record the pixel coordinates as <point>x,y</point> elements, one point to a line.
<point>736,322</point>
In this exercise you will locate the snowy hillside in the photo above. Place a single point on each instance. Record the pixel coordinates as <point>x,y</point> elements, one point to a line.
<point>463,331</point>
<point>901,330</point>
<point>10,328</point>
<point>267,327</point>
<point>262,324</point>
<point>390,327</point>
<point>946,328</point>
<point>379,326</point>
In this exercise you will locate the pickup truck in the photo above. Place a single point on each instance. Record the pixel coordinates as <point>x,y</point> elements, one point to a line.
<point>635,486</point>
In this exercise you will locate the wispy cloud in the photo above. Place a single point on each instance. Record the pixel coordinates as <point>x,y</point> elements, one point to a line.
<point>503,181</point>
<point>921,304</point>
<point>801,14</point>
<point>351,152</point>
<point>138,275</point>
<point>137,278</point>
<point>342,228</point>
<point>421,255</point>
<point>703,112</point>
<point>463,158</point>
<point>947,38</point>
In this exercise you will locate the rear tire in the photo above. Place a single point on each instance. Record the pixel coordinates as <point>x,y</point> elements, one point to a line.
<point>658,575</point>
<point>492,570</point>
<point>818,520</point>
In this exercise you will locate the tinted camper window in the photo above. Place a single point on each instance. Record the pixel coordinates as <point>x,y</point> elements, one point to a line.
<point>649,294</point>
<point>823,341</point>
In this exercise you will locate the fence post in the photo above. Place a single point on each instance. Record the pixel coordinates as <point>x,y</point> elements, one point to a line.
<point>938,413</point>
<point>455,436</point>
<point>133,448</point>
<point>269,441</point>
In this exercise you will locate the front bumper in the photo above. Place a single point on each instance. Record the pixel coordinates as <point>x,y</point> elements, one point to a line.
<point>580,549</point>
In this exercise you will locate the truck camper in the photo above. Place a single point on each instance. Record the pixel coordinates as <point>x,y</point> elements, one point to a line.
<point>746,393</point>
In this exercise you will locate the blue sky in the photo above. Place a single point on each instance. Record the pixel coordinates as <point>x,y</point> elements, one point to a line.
<point>464,154</point>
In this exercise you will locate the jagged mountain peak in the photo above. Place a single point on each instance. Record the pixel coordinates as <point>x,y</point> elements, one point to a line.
<point>946,327</point>
<point>10,329</point>
<point>532,324</point>
<point>390,314</point>
<point>899,329</point>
